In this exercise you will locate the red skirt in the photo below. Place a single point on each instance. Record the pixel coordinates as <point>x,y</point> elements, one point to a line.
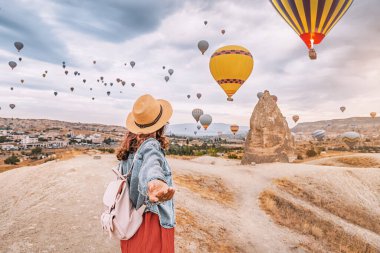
<point>150,237</point>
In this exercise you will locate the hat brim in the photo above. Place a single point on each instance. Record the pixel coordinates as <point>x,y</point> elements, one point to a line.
<point>167,112</point>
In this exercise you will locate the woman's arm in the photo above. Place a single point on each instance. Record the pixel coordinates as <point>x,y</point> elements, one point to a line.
<point>152,181</point>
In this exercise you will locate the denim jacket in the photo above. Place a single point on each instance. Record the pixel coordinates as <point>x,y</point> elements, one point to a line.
<point>150,164</point>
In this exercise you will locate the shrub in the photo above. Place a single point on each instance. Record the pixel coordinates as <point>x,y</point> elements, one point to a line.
<point>36,151</point>
<point>299,157</point>
<point>311,153</point>
<point>232,156</point>
<point>12,160</point>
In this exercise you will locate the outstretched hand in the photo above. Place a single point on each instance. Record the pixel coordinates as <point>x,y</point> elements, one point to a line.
<point>159,191</point>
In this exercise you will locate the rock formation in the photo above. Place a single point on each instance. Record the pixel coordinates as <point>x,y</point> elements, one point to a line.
<point>269,138</point>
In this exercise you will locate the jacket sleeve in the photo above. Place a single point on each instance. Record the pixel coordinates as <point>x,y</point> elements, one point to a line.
<point>151,167</point>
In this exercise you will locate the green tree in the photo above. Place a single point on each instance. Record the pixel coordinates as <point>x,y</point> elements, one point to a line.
<point>36,151</point>
<point>12,160</point>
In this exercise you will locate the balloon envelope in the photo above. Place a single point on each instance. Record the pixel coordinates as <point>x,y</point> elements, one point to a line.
<point>260,94</point>
<point>199,95</point>
<point>12,106</point>
<point>296,118</point>
<point>205,120</point>
<point>373,114</point>
<point>312,20</point>
<point>170,71</point>
<point>350,138</point>
<point>12,64</point>
<point>203,46</point>
<point>231,66</point>
<point>197,113</point>
<point>319,135</point>
<point>19,45</point>
<point>132,63</point>
<point>166,78</point>
<point>342,108</point>
<point>234,128</point>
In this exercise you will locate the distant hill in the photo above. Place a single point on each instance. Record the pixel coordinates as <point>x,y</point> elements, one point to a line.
<point>213,129</point>
<point>37,125</point>
<point>363,125</point>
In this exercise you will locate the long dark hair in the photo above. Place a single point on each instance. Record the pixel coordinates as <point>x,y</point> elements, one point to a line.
<point>133,141</point>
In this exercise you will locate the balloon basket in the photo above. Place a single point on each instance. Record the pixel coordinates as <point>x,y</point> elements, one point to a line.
<point>312,54</point>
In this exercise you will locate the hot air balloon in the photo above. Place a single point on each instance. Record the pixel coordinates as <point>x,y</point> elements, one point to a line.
<point>342,108</point>
<point>205,120</point>
<point>111,84</point>
<point>223,31</point>
<point>195,132</point>
<point>132,63</point>
<point>20,59</point>
<point>19,46</point>
<point>197,113</point>
<point>105,84</point>
<point>296,118</point>
<point>133,84</point>
<point>78,73</point>
<point>63,63</point>
<point>46,71</point>
<point>259,94</point>
<point>203,46</point>
<point>108,93</point>
<point>55,93</point>
<point>231,66</point>
<point>311,20</point>
<point>90,88</point>
<point>163,67</point>
<point>22,80</point>
<point>66,72</point>
<point>101,78</point>
<point>350,138</point>
<point>93,98</point>
<point>75,73</point>
<point>12,64</point>
<point>373,114</point>
<point>205,22</point>
<point>199,95</point>
<point>44,75</point>
<point>188,96</point>
<point>64,66</point>
<point>170,71</point>
<point>319,135</point>
<point>12,106</point>
<point>274,98</point>
<point>11,88</point>
<point>84,80</point>
<point>94,62</point>
<point>234,128</point>
<point>72,89</point>
<point>118,80</point>
<point>166,78</point>
<point>199,127</point>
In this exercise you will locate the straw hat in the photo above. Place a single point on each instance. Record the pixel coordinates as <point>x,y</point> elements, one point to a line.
<point>148,115</point>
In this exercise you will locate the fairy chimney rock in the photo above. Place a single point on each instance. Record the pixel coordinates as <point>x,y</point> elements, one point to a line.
<point>269,138</point>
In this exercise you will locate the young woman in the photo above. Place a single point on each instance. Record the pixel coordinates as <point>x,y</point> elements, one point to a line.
<point>151,180</point>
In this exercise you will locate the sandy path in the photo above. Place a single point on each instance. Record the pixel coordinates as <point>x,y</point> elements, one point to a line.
<point>55,207</point>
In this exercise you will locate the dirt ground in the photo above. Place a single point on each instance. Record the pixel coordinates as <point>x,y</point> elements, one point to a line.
<point>221,206</point>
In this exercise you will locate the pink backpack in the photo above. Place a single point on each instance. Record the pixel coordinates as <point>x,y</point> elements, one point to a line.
<point>120,218</point>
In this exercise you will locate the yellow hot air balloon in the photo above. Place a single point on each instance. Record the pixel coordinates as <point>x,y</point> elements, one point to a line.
<point>373,114</point>
<point>231,66</point>
<point>234,128</point>
<point>312,20</point>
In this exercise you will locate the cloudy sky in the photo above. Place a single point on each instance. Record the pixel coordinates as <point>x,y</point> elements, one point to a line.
<point>165,33</point>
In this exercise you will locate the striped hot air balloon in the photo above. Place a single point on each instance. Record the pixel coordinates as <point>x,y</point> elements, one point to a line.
<point>350,138</point>
<point>319,135</point>
<point>312,20</point>
<point>231,66</point>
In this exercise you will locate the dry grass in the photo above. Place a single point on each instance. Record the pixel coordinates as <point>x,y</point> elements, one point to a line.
<point>302,220</point>
<point>359,161</point>
<point>323,196</point>
<point>201,237</point>
<point>210,188</point>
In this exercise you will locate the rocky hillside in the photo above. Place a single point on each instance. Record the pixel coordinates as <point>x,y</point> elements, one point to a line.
<point>363,125</point>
